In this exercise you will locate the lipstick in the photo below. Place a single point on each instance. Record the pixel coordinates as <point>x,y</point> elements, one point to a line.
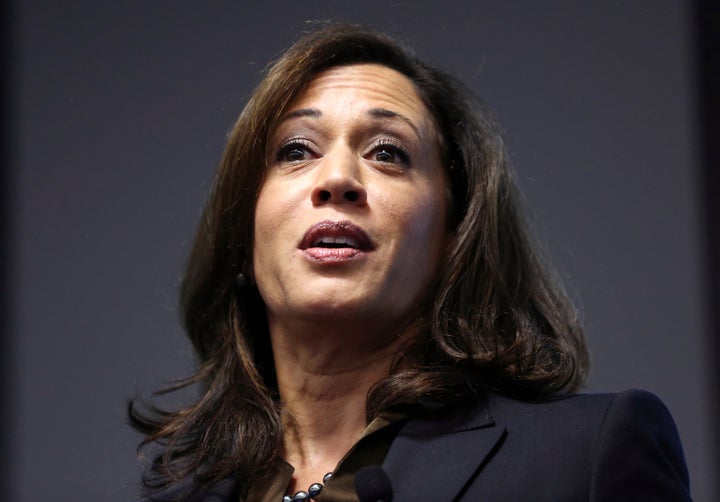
<point>335,242</point>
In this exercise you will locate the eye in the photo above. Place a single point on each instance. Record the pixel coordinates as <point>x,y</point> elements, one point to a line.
<point>389,151</point>
<point>294,150</point>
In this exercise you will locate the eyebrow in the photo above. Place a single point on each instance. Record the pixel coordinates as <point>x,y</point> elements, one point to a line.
<point>374,112</point>
<point>383,113</point>
<point>303,112</point>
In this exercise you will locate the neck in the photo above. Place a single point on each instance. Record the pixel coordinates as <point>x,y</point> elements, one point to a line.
<point>324,373</point>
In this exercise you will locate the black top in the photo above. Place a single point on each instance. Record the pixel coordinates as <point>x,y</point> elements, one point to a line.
<point>585,447</point>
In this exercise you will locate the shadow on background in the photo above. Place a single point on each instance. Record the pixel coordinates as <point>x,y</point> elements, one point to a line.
<point>707,17</point>
<point>125,108</point>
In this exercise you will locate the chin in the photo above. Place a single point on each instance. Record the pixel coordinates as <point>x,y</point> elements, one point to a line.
<point>336,307</point>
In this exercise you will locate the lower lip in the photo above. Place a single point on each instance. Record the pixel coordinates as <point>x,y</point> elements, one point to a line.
<point>333,255</point>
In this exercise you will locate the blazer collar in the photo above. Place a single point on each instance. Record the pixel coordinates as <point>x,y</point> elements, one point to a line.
<point>433,457</point>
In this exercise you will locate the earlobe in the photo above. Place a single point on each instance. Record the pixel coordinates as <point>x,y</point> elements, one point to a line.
<point>245,278</point>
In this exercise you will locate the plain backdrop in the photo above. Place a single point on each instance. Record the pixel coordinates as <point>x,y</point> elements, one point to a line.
<point>120,115</point>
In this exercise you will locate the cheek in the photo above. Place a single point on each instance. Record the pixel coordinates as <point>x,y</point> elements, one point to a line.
<point>263,214</point>
<point>275,206</point>
<point>267,202</point>
<point>265,235</point>
<point>276,224</point>
<point>425,221</point>
<point>266,212</point>
<point>432,206</point>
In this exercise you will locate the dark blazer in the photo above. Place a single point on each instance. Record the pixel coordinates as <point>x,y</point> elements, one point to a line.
<point>597,447</point>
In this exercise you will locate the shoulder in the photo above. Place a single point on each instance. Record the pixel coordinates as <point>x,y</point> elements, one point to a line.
<point>590,409</point>
<point>589,412</point>
<point>628,442</point>
<point>638,450</point>
<point>594,447</point>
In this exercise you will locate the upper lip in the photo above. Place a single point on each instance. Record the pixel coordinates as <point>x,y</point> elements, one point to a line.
<point>336,232</point>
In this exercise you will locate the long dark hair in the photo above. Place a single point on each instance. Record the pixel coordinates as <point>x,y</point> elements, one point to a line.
<point>499,321</point>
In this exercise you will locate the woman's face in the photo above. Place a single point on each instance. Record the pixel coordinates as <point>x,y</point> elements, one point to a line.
<point>350,220</point>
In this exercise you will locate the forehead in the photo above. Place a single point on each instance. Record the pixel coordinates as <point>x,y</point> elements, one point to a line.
<point>364,85</point>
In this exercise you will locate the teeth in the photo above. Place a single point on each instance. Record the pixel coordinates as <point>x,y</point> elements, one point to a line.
<point>347,241</point>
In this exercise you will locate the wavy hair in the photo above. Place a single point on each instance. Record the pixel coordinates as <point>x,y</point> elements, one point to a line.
<point>498,320</point>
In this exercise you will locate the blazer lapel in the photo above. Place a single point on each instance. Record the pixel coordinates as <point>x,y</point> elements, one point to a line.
<point>433,458</point>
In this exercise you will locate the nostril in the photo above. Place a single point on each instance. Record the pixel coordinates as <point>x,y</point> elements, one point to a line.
<point>352,195</point>
<point>325,195</point>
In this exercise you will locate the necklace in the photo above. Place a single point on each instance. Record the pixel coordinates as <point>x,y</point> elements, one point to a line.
<point>310,494</point>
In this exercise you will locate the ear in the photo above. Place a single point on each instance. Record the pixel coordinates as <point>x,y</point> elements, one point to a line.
<point>245,278</point>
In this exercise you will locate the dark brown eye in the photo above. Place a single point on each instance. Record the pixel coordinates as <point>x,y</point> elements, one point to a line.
<point>384,156</point>
<point>293,151</point>
<point>294,154</point>
<point>391,154</point>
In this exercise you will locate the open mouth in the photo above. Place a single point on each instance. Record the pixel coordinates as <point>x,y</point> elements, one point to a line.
<point>336,235</point>
<point>335,242</point>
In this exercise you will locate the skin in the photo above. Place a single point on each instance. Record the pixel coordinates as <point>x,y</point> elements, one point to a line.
<point>358,146</point>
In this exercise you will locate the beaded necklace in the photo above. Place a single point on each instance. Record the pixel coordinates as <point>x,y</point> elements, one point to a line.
<point>311,493</point>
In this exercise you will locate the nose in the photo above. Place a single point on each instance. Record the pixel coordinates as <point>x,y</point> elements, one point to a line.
<point>339,181</point>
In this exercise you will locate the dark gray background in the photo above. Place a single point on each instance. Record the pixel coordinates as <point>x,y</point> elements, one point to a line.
<point>121,109</point>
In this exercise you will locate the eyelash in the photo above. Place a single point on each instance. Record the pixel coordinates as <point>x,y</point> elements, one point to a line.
<point>389,145</point>
<point>393,147</point>
<point>290,145</point>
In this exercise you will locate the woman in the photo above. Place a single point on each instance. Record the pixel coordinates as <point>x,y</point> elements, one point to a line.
<point>372,319</point>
